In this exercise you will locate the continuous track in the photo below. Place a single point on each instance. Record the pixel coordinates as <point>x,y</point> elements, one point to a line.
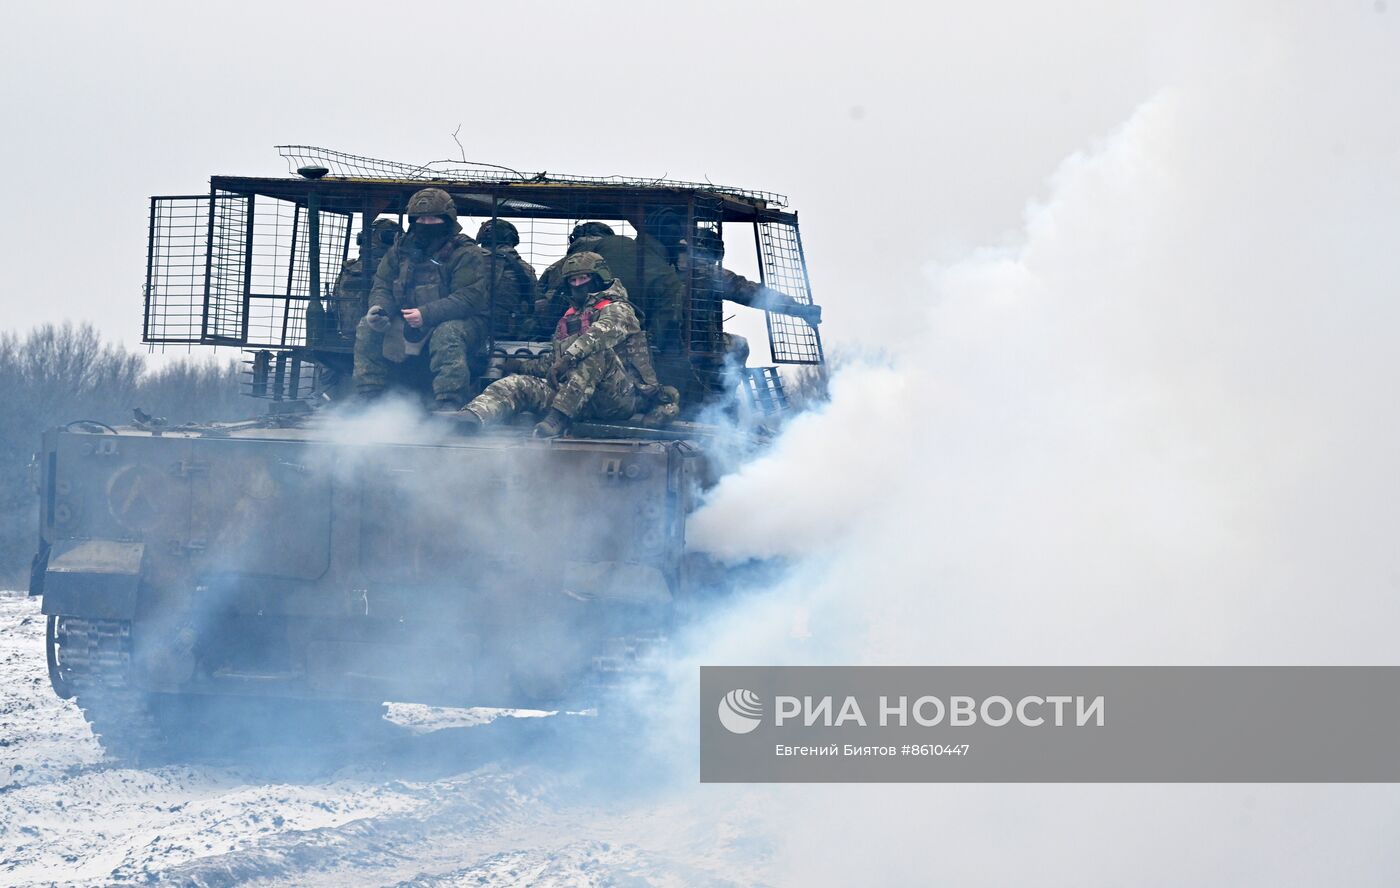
<point>91,660</point>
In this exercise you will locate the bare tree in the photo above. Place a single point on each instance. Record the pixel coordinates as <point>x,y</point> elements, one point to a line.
<point>60,373</point>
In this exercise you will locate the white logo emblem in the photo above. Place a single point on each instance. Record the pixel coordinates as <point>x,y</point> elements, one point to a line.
<point>740,711</point>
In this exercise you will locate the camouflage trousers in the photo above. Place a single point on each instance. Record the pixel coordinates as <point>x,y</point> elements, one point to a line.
<point>449,346</point>
<point>598,388</point>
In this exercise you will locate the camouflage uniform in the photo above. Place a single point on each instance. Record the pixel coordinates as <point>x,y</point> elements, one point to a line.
<point>644,268</point>
<point>549,300</point>
<point>516,282</point>
<point>592,381</point>
<point>352,284</point>
<point>635,350</point>
<point>447,280</point>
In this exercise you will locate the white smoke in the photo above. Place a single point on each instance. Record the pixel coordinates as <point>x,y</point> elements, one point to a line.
<point>1158,428</point>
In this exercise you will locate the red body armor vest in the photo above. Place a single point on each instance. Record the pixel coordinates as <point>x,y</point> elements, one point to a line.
<point>585,319</point>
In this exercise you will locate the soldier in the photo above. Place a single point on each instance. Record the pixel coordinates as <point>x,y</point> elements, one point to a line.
<point>644,266</point>
<point>648,272</point>
<point>352,285</point>
<point>431,289</point>
<point>550,280</point>
<point>515,280</point>
<point>584,377</point>
<point>706,250</point>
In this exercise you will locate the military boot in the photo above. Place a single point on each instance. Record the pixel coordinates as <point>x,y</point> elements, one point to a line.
<point>468,423</point>
<point>666,406</point>
<point>553,425</point>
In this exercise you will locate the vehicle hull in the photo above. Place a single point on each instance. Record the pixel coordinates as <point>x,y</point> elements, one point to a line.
<point>495,570</point>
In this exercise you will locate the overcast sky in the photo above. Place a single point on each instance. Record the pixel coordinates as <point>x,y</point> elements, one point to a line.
<point>900,133</point>
<point>1130,271</point>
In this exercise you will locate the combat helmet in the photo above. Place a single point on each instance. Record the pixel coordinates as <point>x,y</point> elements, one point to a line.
<point>497,233</point>
<point>432,202</point>
<point>590,229</point>
<point>665,224</point>
<point>585,262</point>
<point>706,244</point>
<point>385,230</point>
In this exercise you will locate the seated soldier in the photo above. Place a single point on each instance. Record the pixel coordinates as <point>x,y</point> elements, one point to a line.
<point>654,293</point>
<point>353,283</point>
<point>514,297</point>
<point>431,291</point>
<point>328,328</point>
<point>584,378</point>
<point>643,265</point>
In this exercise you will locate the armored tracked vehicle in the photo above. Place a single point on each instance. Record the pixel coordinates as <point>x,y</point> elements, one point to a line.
<point>327,556</point>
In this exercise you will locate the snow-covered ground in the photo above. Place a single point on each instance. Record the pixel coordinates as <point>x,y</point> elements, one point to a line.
<point>430,806</point>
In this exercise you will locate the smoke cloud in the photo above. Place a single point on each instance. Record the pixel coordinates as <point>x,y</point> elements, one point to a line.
<point>1157,428</point>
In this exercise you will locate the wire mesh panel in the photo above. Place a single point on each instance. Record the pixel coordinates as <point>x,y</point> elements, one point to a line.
<point>176,267</point>
<point>281,262</point>
<point>543,242</point>
<point>334,231</point>
<point>354,166</point>
<point>276,227</point>
<point>764,387</point>
<point>784,268</point>
<point>236,267</point>
<point>225,300</point>
<point>705,324</point>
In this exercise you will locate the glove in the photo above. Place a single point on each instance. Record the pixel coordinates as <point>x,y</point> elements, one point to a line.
<point>812,314</point>
<point>377,319</point>
<point>563,365</point>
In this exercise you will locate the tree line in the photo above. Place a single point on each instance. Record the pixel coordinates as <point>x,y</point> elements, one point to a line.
<point>55,374</point>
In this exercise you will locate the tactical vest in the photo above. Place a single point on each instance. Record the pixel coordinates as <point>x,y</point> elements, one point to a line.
<point>421,279</point>
<point>633,351</point>
<point>513,295</point>
<point>575,322</point>
<point>424,279</point>
<point>517,272</point>
<point>351,295</point>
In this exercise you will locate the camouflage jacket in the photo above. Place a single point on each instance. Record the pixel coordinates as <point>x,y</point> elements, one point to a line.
<point>644,269</point>
<point>451,283</point>
<point>602,325</point>
<point>737,288</point>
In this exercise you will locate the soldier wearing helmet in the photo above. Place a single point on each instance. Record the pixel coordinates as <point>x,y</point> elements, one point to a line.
<point>352,284</point>
<point>655,292</point>
<point>513,300</point>
<point>584,377</point>
<point>431,290</point>
<point>585,235</point>
<point>703,251</point>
